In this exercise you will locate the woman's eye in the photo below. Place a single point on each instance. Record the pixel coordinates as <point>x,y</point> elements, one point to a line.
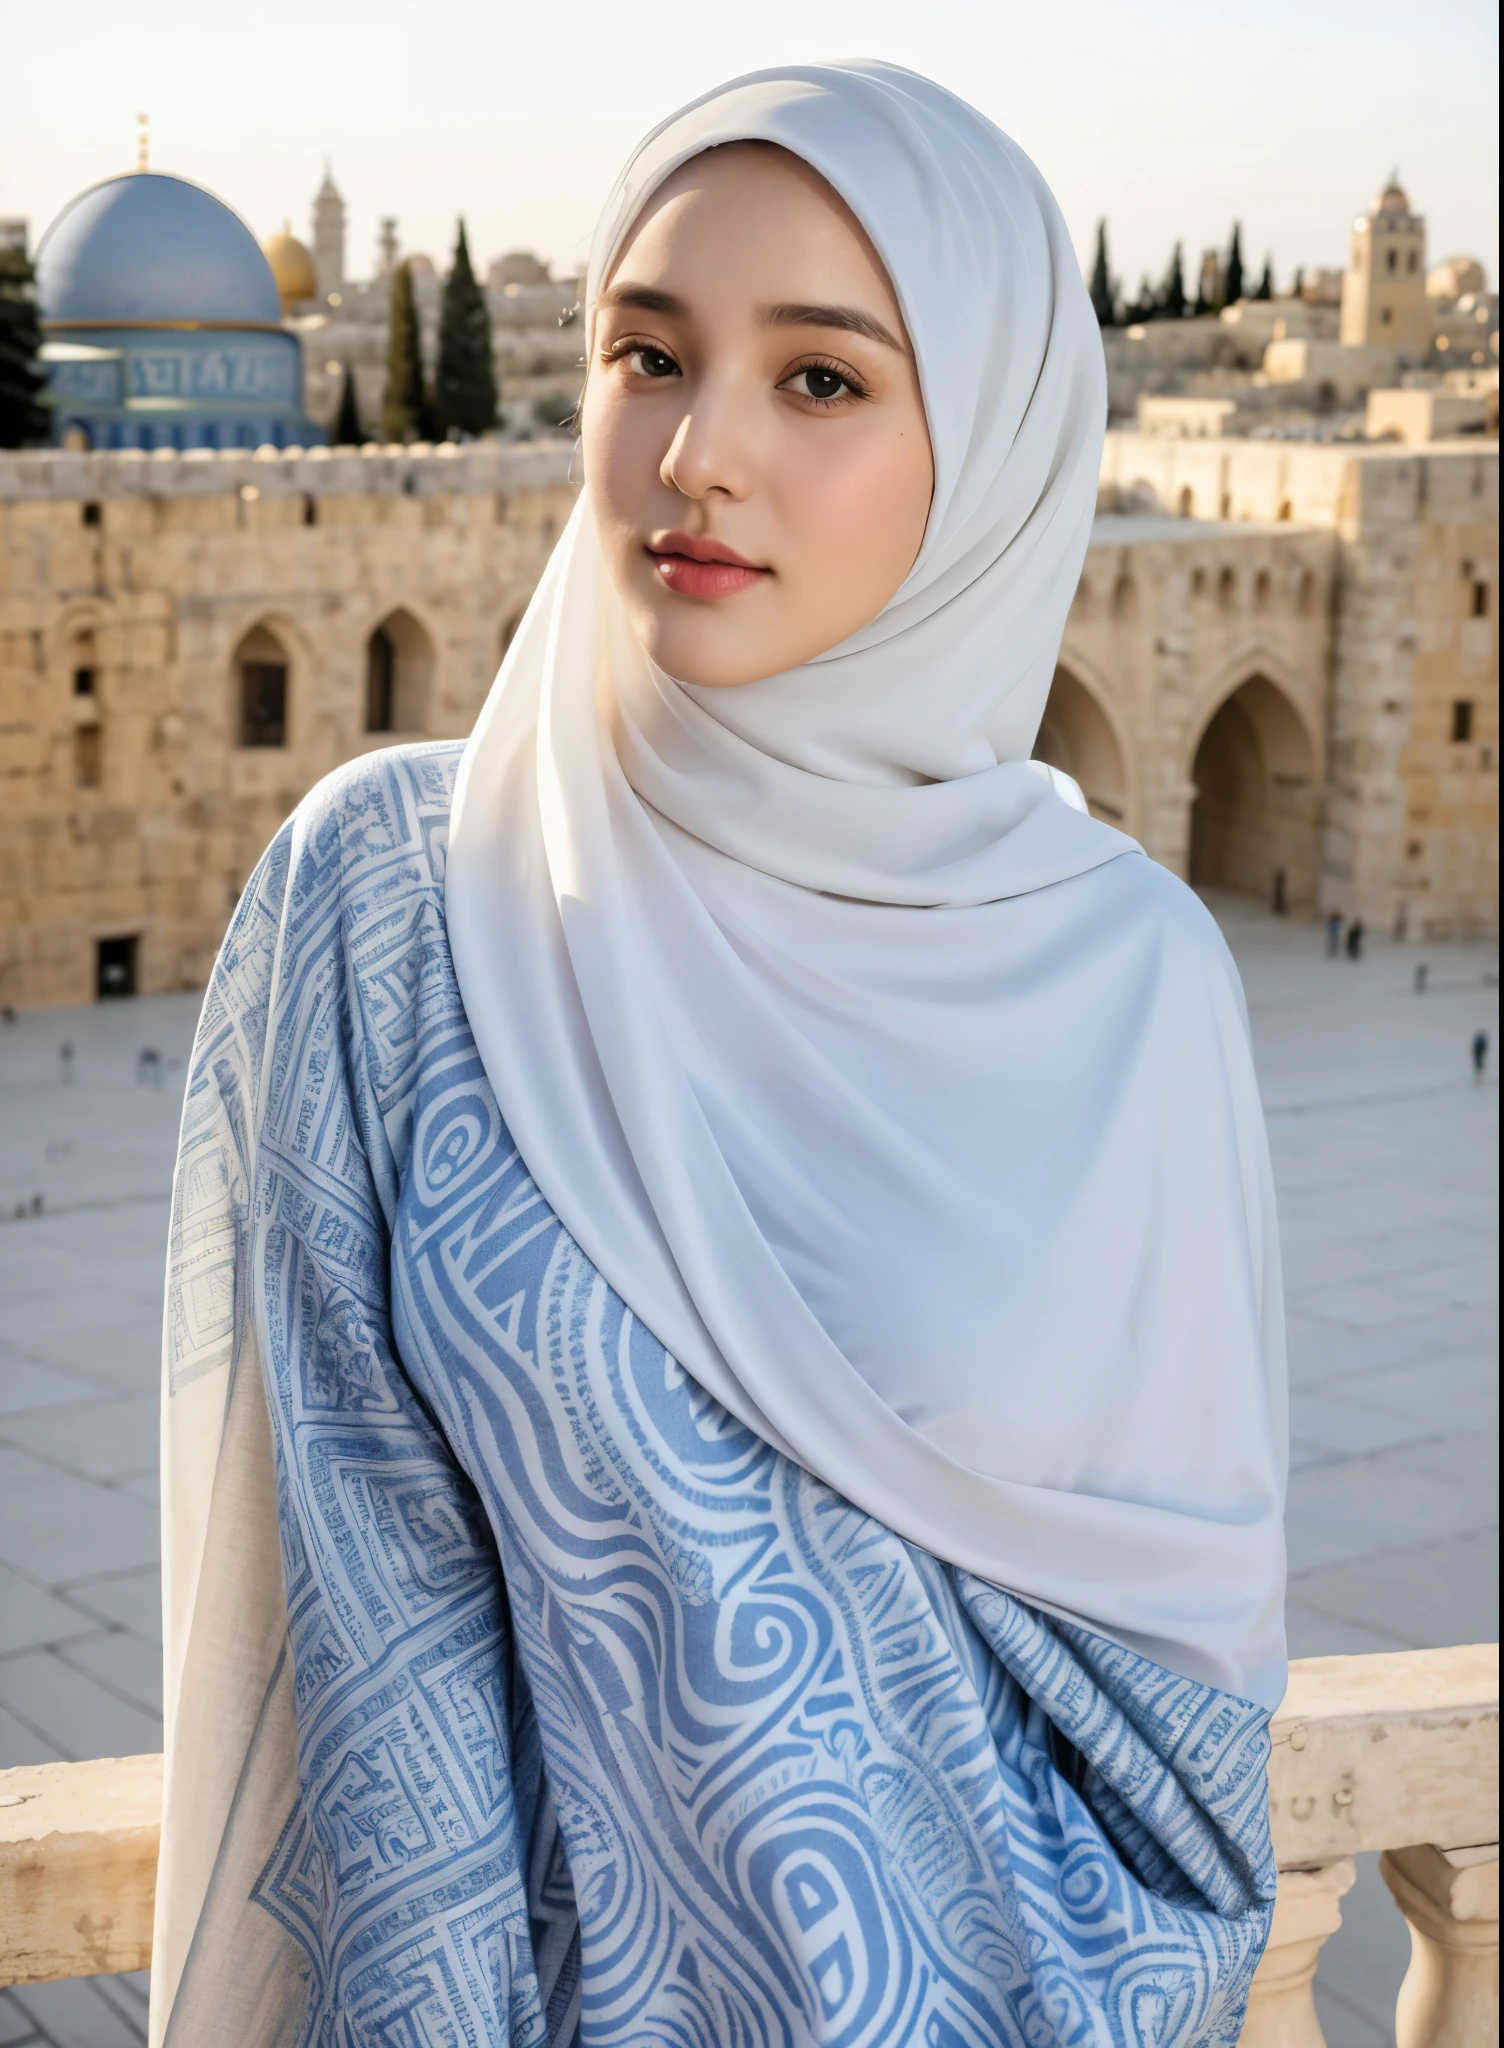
<point>652,362</point>
<point>813,381</point>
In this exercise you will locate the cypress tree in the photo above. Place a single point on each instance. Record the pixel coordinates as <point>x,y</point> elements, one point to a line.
<point>1266,282</point>
<point>1102,292</point>
<point>405,414</point>
<point>1171,299</point>
<point>465,384</point>
<point>347,432</point>
<point>1232,289</point>
<point>24,415</point>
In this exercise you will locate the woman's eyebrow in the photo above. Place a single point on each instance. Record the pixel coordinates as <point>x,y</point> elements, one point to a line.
<point>645,298</point>
<point>849,318</point>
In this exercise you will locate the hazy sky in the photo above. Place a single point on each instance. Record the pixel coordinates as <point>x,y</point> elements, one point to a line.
<point>1172,117</point>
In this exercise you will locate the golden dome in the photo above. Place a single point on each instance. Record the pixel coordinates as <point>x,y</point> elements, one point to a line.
<point>292,267</point>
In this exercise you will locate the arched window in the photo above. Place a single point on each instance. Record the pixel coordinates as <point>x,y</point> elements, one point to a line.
<point>1198,583</point>
<point>1286,512</point>
<point>1261,591</point>
<point>85,665</point>
<point>1187,502</point>
<point>1124,598</point>
<point>261,667</point>
<point>1227,589</point>
<point>1305,593</point>
<point>399,672</point>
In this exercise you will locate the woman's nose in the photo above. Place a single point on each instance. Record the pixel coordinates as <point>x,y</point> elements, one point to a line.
<point>711,453</point>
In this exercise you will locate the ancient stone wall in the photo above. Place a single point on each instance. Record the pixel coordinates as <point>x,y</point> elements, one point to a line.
<point>138,596</point>
<point>1409,815</point>
<point>1280,671</point>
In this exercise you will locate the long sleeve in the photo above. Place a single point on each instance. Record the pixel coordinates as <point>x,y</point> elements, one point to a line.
<point>341,1834</point>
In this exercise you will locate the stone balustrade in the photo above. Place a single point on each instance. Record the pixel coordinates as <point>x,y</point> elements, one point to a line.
<point>1391,1753</point>
<point>1400,1754</point>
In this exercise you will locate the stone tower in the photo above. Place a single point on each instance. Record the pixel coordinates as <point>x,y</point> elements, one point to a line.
<point>329,237</point>
<point>1384,285</point>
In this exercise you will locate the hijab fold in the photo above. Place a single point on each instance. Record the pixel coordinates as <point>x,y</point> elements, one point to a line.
<point>905,1102</point>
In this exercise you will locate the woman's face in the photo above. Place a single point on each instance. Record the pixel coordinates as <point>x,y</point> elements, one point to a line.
<point>754,439</point>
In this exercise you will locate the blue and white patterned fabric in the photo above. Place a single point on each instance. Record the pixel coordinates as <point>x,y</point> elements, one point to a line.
<point>612,1724</point>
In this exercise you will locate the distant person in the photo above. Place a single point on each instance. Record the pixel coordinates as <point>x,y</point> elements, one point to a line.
<point>149,1066</point>
<point>1480,1053</point>
<point>1333,934</point>
<point>1422,971</point>
<point>688,1526</point>
<point>1355,939</point>
<point>65,1060</point>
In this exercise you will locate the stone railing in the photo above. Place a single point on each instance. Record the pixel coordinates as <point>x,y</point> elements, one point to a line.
<point>1401,1754</point>
<point>1394,1753</point>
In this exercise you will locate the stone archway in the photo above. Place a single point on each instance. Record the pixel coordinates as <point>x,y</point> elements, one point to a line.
<point>1075,735</point>
<point>399,675</point>
<point>1256,817</point>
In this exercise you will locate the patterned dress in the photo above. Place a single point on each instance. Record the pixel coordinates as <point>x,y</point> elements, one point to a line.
<point>613,1725</point>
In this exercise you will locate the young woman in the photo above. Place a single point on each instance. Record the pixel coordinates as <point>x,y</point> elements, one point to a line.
<point>723,1443</point>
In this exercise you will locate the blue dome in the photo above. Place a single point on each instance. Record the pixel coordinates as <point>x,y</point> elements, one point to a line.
<point>149,247</point>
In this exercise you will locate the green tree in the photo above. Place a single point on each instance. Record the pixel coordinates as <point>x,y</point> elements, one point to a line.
<point>1170,298</point>
<point>1103,291</point>
<point>1232,287</point>
<point>24,415</point>
<point>465,383</point>
<point>405,412</point>
<point>1266,281</point>
<point>347,433</point>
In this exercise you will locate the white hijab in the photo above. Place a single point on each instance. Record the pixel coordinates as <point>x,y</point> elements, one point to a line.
<point>907,1105</point>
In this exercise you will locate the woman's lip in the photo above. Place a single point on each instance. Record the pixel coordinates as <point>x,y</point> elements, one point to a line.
<point>698,550</point>
<point>702,568</point>
<point>705,579</point>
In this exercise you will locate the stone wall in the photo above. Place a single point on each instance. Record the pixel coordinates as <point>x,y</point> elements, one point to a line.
<point>1178,624</point>
<point>129,586</point>
<point>1280,671</point>
<point>1409,815</point>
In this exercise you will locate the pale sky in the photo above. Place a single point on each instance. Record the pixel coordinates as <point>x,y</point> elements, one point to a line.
<point>1171,117</point>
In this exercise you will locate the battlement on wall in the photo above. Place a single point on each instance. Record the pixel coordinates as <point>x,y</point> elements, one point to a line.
<point>421,470</point>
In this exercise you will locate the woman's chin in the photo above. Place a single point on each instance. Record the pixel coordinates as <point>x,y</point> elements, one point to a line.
<point>719,660</point>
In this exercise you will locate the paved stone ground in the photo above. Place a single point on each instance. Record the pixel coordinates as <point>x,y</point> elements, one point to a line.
<point>1384,1148</point>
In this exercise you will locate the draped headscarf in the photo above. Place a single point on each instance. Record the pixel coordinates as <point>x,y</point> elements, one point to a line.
<point>907,1104</point>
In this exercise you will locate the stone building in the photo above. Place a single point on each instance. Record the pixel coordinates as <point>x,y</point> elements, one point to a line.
<point>187,643</point>
<point>1384,288</point>
<point>1372,760</point>
<point>1280,672</point>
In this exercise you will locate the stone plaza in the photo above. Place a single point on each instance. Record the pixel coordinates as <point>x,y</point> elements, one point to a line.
<point>1384,1143</point>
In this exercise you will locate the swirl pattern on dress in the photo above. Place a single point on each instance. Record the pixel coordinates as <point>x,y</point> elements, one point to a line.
<point>614,1725</point>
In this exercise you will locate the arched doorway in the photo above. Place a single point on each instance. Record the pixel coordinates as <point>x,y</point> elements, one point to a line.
<point>399,673</point>
<point>1074,734</point>
<point>261,667</point>
<point>1255,821</point>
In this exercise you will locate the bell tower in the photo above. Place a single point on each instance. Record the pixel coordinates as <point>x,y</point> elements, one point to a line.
<point>329,236</point>
<point>1384,286</point>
